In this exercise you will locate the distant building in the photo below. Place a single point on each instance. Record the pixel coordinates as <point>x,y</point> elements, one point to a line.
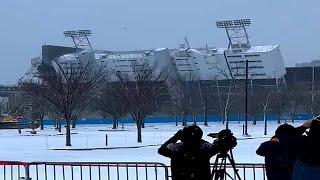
<point>313,63</point>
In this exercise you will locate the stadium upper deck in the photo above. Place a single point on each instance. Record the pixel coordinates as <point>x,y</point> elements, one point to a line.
<point>265,62</point>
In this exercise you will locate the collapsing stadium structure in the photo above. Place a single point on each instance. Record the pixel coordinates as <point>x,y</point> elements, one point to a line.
<point>261,62</point>
<point>207,80</point>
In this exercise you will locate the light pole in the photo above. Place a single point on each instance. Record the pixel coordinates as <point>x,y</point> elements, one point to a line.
<point>246,102</point>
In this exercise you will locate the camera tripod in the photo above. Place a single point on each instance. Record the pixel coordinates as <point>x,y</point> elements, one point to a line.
<point>219,168</point>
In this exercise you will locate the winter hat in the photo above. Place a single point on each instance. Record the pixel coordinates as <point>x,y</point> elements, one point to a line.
<point>192,133</point>
<point>285,130</point>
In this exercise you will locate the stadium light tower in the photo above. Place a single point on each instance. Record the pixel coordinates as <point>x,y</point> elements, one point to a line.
<point>238,41</point>
<point>80,38</point>
<point>237,33</point>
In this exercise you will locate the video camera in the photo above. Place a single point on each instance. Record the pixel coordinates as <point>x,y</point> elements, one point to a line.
<point>224,141</point>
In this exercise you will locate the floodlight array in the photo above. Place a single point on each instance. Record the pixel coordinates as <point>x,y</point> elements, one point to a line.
<point>233,23</point>
<point>77,33</point>
<point>85,32</point>
<point>70,33</point>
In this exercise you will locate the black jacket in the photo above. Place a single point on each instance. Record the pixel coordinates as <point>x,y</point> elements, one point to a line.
<point>189,162</point>
<point>281,156</point>
<point>279,160</point>
<point>309,150</point>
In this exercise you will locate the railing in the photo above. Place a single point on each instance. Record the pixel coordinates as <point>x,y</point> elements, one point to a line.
<point>248,171</point>
<point>12,170</point>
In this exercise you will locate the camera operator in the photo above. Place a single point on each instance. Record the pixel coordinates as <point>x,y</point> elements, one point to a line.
<point>307,165</point>
<point>190,158</point>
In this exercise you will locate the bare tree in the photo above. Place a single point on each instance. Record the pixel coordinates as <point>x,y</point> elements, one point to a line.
<point>16,108</point>
<point>254,105</point>
<point>279,104</point>
<point>209,98</point>
<point>3,105</point>
<point>56,120</point>
<point>186,104</point>
<point>225,97</point>
<point>227,102</point>
<point>205,109</point>
<point>314,94</point>
<point>33,108</point>
<point>138,90</point>
<point>68,88</point>
<point>264,97</point>
<point>265,105</point>
<point>296,97</point>
<point>110,103</point>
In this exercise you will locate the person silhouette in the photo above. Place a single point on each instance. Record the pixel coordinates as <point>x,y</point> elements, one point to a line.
<point>190,158</point>
<point>307,165</point>
<point>279,152</point>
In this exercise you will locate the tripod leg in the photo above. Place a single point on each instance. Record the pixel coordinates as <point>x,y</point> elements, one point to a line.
<point>232,162</point>
<point>218,171</point>
<point>214,168</point>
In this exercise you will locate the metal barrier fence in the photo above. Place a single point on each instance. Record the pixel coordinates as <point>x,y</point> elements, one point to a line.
<point>13,170</point>
<point>98,171</point>
<point>10,170</point>
<point>248,171</point>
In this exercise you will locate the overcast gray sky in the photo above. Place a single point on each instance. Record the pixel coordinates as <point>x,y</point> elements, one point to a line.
<point>139,24</point>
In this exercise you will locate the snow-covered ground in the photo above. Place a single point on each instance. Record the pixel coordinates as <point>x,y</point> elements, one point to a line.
<point>43,146</point>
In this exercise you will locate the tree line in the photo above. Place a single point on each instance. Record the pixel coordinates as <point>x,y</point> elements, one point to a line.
<point>71,90</point>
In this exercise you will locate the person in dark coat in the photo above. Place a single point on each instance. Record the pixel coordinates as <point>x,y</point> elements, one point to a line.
<point>279,153</point>
<point>308,163</point>
<point>190,158</point>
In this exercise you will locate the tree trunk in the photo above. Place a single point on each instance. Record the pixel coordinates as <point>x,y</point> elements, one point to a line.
<point>292,118</point>
<point>114,122</point>
<point>265,122</point>
<point>142,124</point>
<point>184,119</point>
<point>196,118</point>
<point>59,125</point>
<point>55,122</point>
<point>176,117</point>
<point>227,121</point>
<point>19,126</point>
<point>68,133</point>
<point>117,120</point>
<point>74,123</point>
<point>139,127</point>
<point>293,113</point>
<point>254,122</point>
<point>41,122</point>
<point>225,117</point>
<point>205,115</point>
<point>122,123</point>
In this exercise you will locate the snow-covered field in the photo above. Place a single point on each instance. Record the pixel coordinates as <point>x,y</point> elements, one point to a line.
<point>43,146</point>
<point>88,144</point>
